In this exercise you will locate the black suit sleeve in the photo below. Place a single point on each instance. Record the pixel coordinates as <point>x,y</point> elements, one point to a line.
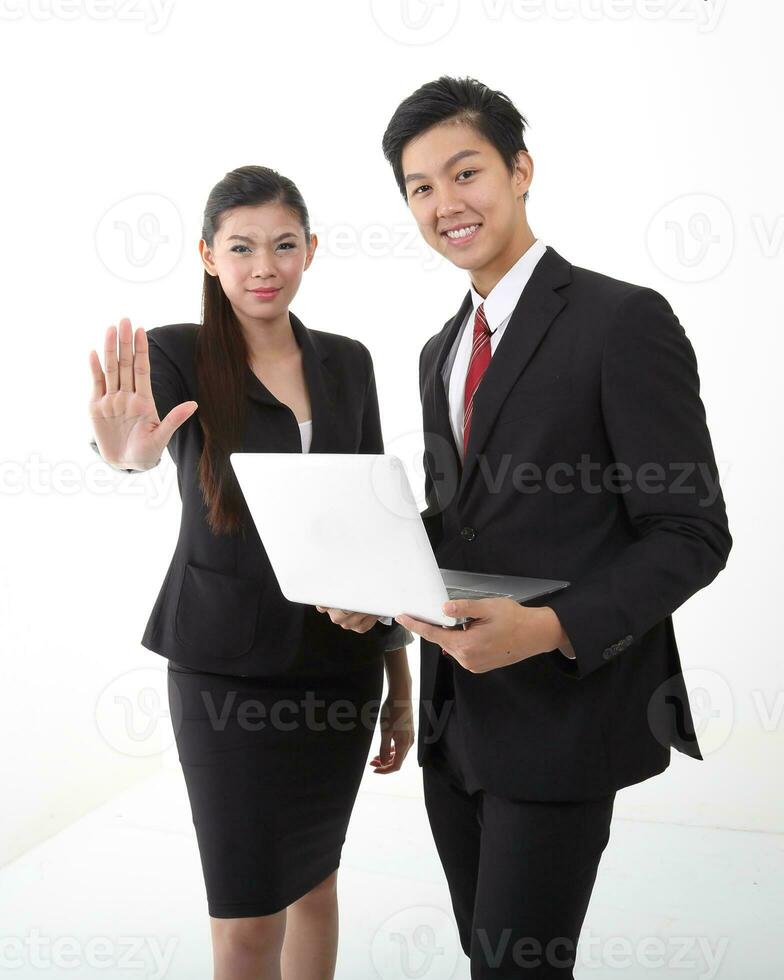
<point>655,422</point>
<point>372,440</point>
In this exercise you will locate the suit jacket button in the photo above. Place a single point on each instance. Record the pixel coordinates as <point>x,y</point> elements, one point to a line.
<point>468,534</point>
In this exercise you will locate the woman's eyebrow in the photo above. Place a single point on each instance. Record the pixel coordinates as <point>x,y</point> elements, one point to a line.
<point>245,238</point>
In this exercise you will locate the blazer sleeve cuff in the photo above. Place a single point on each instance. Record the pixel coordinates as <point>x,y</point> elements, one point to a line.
<point>595,641</point>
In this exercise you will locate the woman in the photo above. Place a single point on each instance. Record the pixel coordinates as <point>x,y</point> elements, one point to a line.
<point>272,703</point>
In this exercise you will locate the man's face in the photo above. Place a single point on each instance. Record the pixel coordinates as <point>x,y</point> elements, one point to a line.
<point>468,206</point>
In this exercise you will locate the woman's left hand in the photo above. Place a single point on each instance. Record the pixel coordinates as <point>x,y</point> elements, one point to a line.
<point>397,733</point>
<point>348,620</point>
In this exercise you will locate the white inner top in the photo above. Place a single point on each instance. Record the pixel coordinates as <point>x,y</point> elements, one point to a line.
<point>306,434</point>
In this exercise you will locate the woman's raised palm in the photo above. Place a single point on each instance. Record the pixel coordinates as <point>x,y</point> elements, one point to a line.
<point>125,420</point>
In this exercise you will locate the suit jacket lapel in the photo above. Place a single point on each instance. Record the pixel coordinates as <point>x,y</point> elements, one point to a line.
<point>256,390</point>
<point>327,436</point>
<point>438,430</point>
<point>322,388</point>
<point>538,306</point>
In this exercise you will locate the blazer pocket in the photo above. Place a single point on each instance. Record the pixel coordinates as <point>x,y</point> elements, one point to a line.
<point>523,402</point>
<point>216,613</point>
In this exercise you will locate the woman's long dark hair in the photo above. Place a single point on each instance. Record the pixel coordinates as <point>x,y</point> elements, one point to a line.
<point>221,349</point>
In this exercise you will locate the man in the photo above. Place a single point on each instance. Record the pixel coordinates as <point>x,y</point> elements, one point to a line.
<point>564,438</point>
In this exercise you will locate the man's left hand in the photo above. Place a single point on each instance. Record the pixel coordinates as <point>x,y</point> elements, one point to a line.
<point>502,632</point>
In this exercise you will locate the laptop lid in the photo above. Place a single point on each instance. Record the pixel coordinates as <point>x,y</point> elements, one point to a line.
<point>343,530</point>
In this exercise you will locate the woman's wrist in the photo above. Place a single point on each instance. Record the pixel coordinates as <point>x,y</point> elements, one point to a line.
<point>398,674</point>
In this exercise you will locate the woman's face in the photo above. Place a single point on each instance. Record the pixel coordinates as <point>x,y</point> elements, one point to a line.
<point>259,254</point>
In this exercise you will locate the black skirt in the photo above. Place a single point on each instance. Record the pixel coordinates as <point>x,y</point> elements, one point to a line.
<point>272,767</point>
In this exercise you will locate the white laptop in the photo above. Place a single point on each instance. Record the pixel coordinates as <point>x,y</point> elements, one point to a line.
<point>345,531</point>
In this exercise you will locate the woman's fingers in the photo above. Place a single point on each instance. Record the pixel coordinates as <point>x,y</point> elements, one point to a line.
<point>141,364</point>
<point>126,355</point>
<point>173,421</point>
<point>361,624</point>
<point>110,360</point>
<point>131,370</point>
<point>386,755</point>
<point>99,381</point>
<point>127,428</point>
<point>393,763</point>
<point>403,743</point>
<point>358,622</point>
<point>395,746</point>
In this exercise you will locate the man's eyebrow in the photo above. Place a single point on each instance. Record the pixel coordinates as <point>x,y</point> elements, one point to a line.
<point>449,163</point>
<point>244,238</point>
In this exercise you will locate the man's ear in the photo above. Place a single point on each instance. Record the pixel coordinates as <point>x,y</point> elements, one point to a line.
<point>523,172</point>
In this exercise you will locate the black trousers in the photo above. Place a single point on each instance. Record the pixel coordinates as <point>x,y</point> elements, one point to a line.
<point>520,873</point>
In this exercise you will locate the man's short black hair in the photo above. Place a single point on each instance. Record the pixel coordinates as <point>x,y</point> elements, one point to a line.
<point>491,112</point>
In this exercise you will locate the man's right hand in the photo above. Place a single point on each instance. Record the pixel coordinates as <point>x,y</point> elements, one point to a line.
<point>125,420</point>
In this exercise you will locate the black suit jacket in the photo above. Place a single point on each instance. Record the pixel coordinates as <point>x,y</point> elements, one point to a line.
<point>592,375</point>
<point>220,607</point>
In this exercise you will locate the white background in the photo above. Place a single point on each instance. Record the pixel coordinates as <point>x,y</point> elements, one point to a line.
<point>655,131</point>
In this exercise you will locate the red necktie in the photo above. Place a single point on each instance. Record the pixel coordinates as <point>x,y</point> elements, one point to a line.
<point>480,358</point>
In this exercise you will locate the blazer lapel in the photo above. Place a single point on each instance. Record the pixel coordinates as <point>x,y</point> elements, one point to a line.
<point>256,390</point>
<point>438,429</point>
<point>327,436</point>
<point>538,306</point>
<point>322,388</point>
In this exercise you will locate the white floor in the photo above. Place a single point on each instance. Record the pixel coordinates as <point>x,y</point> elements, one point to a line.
<point>120,894</point>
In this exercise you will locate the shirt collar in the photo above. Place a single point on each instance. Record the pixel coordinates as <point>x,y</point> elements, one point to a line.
<point>504,296</point>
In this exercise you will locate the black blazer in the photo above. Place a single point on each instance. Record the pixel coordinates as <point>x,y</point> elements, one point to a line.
<point>220,607</point>
<point>591,372</point>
